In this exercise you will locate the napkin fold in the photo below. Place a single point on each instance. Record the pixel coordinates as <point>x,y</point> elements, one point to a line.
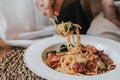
<point>27,39</point>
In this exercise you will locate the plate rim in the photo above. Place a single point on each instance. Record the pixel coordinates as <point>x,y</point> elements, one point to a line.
<point>24,56</point>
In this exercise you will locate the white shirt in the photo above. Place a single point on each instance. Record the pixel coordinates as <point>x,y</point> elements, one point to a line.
<point>21,22</point>
<point>101,26</point>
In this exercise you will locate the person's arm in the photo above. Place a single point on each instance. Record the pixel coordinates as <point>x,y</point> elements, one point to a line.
<point>110,12</point>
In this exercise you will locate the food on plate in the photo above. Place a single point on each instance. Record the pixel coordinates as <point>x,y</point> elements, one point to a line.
<point>76,58</point>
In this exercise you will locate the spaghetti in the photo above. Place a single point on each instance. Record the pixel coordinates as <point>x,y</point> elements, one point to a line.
<point>76,58</point>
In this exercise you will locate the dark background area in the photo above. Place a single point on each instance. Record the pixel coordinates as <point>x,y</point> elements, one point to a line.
<point>75,13</point>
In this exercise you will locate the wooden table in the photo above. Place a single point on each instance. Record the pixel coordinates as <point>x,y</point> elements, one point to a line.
<point>12,66</point>
<point>4,48</point>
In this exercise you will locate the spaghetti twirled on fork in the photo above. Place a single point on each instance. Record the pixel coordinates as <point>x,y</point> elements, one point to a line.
<point>76,58</point>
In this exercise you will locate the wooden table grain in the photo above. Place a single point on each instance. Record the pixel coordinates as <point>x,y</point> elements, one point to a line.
<point>4,48</point>
<point>16,69</point>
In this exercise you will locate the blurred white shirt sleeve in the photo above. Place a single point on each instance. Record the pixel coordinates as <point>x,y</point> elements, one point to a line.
<point>103,27</point>
<point>22,24</point>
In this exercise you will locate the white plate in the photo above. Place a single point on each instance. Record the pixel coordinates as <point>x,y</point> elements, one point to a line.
<point>33,58</point>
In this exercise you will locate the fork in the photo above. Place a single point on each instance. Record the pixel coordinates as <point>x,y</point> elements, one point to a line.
<point>55,21</point>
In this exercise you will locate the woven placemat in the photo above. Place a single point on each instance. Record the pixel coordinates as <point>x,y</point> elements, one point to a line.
<point>12,67</point>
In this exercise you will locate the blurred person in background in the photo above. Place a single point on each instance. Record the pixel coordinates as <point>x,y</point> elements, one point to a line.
<point>107,23</point>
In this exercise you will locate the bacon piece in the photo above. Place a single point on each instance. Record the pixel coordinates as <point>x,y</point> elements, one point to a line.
<point>53,60</point>
<point>100,52</point>
<point>81,45</point>
<point>92,48</point>
<point>91,65</point>
<point>106,59</point>
<point>76,67</point>
<point>95,60</point>
<point>79,68</point>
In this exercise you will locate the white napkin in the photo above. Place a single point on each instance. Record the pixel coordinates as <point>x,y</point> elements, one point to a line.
<point>22,24</point>
<point>29,38</point>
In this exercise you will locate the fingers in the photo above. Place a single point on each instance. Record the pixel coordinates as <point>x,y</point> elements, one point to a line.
<point>49,8</point>
<point>39,4</point>
<point>50,13</point>
<point>45,6</point>
<point>57,7</point>
<point>48,4</point>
